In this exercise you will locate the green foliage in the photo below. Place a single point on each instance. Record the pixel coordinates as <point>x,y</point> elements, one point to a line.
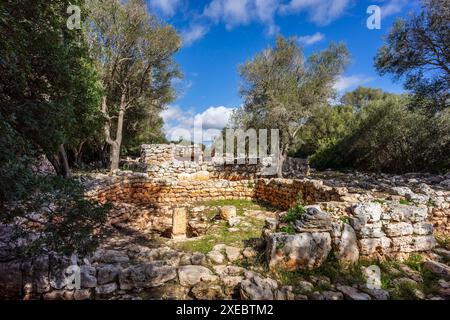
<point>416,49</point>
<point>49,96</point>
<point>281,90</point>
<point>293,214</point>
<point>134,52</point>
<point>386,136</point>
<point>289,229</point>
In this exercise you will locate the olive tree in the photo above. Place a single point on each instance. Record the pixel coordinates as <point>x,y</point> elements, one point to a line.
<point>134,52</point>
<point>281,89</point>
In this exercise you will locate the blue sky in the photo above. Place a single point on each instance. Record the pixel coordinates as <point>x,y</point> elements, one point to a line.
<point>220,35</point>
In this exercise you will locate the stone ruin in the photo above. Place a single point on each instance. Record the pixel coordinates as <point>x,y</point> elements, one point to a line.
<point>340,219</point>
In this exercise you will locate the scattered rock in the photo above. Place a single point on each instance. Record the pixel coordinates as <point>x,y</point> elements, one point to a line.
<point>348,251</point>
<point>206,291</point>
<point>255,287</point>
<point>299,251</point>
<point>88,279</point>
<point>233,253</point>
<point>439,269</point>
<point>107,273</point>
<point>198,258</point>
<point>191,275</point>
<point>313,220</point>
<point>216,257</point>
<point>249,252</point>
<point>351,293</point>
<point>111,256</point>
<point>332,295</point>
<point>106,289</point>
<point>227,212</point>
<point>146,276</point>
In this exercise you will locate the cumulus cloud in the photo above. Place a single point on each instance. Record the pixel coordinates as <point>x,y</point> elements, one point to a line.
<point>193,33</point>
<point>311,39</point>
<point>321,12</point>
<point>234,13</point>
<point>393,7</point>
<point>167,7</point>
<point>344,83</point>
<point>207,124</point>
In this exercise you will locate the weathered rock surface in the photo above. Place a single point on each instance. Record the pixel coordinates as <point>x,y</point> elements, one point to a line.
<point>299,251</point>
<point>191,275</point>
<point>145,276</point>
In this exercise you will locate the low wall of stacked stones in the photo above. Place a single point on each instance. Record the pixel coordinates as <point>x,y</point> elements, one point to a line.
<point>141,189</point>
<point>181,162</point>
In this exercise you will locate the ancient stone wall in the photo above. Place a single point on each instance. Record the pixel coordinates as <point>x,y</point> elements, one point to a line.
<point>178,161</point>
<point>138,188</point>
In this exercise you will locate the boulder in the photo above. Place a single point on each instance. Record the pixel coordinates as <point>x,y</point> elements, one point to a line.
<point>439,269</point>
<point>313,220</point>
<point>227,212</point>
<point>191,275</point>
<point>198,258</point>
<point>206,291</point>
<point>146,276</point>
<point>256,287</point>
<point>299,251</point>
<point>216,257</point>
<point>88,279</point>
<point>107,273</point>
<point>332,295</point>
<point>364,213</point>
<point>106,289</point>
<point>351,293</point>
<point>400,191</point>
<point>347,249</point>
<point>111,256</point>
<point>233,253</point>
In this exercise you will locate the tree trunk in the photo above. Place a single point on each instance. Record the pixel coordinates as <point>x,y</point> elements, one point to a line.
<point>65,162</point>
<point>281,158</point>
<point>114,156</point>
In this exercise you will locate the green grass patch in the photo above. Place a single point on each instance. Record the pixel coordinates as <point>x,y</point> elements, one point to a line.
<point>380,201</point>
<point>220,234</point>
<point>241,205</point>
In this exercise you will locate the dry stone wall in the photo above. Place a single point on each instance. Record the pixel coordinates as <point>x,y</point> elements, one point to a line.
<point>183,162</point>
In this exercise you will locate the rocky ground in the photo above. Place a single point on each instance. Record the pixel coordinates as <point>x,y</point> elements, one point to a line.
<point>227,254</point>
<point>226,260</point>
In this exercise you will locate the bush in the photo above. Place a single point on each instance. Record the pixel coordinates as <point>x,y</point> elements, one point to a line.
<point>294,214</point>
<point>386,136</point>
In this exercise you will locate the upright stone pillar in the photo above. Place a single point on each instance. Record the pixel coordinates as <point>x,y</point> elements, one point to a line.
<point>179,223</point>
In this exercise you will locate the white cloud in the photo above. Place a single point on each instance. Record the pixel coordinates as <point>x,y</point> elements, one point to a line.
<point>345,83</point>
<point>214,118</point>
<point>181,123</point>
<point>393,7</point>
<point>167,7</point>
<point>321,12</point>
<point>311,39</point>
<point>235,13</point>
<point>193,33</point>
